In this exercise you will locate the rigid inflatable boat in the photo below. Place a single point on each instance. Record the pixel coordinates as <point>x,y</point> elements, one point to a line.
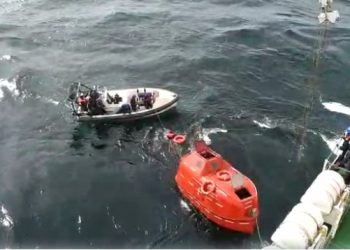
<point>100,104</point>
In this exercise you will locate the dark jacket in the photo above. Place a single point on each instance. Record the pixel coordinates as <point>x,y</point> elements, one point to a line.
<point>344,148</point>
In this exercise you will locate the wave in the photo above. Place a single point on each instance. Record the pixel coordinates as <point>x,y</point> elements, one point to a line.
<point>10,86</point>
<point>5,218</point>
<point>337,107</point>
<point>208,131</point>
<point>265,123</point>
<point>49,100</point>
<point>79,224</point>
<point>184,205</point>
<point>5,58</point>
<point>332,143</point>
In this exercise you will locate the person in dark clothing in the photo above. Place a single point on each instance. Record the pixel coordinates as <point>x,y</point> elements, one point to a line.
<point>133,103</point>
<point>100,106</point>
<point>95,105</point>
<point>342,160</point>
<point>125,109</point>
<point>148,100</point>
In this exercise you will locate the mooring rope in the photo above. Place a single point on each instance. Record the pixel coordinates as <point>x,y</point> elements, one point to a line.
<point>258,232</point>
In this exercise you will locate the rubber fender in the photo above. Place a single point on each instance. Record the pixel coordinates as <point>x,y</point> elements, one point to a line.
<point>312,211</point>
<point>335,176</point>
<point>304,221</point>
<point>290,236</point>
<point>318,198</point>
<point>326,188</point>
<point>326,181</point>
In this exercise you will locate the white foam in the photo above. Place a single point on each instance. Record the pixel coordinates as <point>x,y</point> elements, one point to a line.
<point>11,86</point>
<point>337,107</point>
<point>8,6</point>
<point>79,224</point>
<point>208,131</point>
<point>5,218</point>
<point>185,206</point>
<point>5,58</point>
<point>4,210</point>
<point>265,123</point>
<point>115,223</point>
<point>332,143</point>
<point>79,219</point>
<point>49,100</point>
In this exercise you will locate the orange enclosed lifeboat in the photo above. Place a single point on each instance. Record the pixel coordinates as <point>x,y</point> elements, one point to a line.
<point>218,190</point>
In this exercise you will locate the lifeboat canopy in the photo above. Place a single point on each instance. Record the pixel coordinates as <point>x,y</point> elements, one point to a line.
<point>218,190</point>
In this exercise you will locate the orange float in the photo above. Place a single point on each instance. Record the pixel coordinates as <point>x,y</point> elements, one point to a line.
<point>179,139</point>
<point>170,134</point>
<point>218,190</point>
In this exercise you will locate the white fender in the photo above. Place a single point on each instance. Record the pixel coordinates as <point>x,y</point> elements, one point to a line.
<point>304,221</point>
<point>320,198</point>
<point>290,236</point>
<point>335,176</point>
<point>312,211</point>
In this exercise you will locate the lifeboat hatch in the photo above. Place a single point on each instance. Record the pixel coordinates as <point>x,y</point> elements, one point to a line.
<point>243,193</point>
<point>207,155</point>
<point>203,150</point>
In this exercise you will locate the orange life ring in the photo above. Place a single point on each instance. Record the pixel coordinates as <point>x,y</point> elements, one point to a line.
<point>223,175</point>
<point>179,139</point>
<point>207,187</point>
<point>170,134</point>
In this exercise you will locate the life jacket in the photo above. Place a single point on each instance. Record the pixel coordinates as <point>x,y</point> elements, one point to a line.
<point>82,101</point>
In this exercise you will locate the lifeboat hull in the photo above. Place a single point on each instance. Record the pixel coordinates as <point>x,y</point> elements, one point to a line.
<point>219,191</point>
<point>244,226</point>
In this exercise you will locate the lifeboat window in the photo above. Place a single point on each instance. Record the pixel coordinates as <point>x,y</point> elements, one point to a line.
<point>243,193</point>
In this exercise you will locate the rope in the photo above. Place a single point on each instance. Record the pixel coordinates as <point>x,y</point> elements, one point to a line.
<point>258,231</point>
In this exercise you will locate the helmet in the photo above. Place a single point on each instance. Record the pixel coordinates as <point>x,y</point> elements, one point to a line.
<point>347,131</point>
<point>81,94</point>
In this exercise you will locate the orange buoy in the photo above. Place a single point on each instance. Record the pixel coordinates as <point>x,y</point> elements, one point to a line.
<point>217,190</point>
<point>179,139</point>
<point>170,134</point>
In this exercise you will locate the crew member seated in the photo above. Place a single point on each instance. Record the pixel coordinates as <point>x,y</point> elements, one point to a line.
<point>116,99</point>
<point>148,100</point>
<point>95,104</point>
<point>124,109</point>
<point>133,103</point>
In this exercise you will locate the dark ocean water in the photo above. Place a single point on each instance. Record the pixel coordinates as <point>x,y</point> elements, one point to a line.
<point>239,65</point>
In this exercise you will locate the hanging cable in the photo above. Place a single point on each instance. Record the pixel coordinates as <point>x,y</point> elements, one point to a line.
<point>326,16</point>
